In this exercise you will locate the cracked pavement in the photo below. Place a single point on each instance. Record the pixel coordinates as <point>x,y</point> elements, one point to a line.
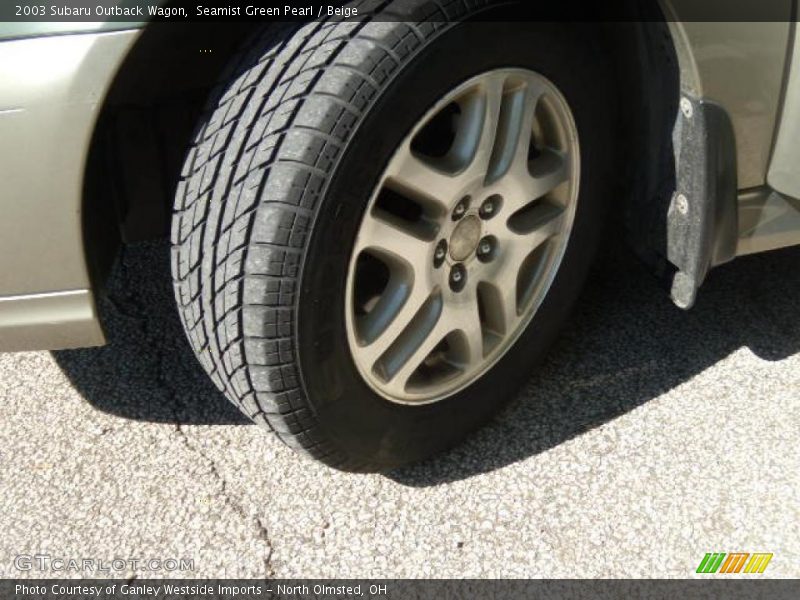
<point>647,438</point>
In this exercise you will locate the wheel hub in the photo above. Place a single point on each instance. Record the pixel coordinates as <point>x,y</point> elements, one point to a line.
<point>465,237</point>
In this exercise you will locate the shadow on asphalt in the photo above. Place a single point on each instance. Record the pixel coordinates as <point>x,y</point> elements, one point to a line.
<point>625,345</point>
<point>147,371</point>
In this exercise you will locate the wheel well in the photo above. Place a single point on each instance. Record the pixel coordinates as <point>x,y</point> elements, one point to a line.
<point>144,129</point>
<point>647,80</point>
<point>157,96</point>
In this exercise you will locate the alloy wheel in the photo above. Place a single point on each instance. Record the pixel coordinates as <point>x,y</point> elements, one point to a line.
<point>463,236</point>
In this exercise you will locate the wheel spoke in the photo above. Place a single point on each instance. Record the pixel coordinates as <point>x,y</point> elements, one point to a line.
<point>536,223</point>
<point>467,347</point>
<point>422,181</point>
<point>392,238</point>
<point>514,130</point>
<point>532,94</point>
<point>543,175</point>
<point>516,248</point>
<point>467,321</point>
<point>384,324</point>
<point>548,171</point>
<point>504,300</point>
<point>439,180</point>
<point>487,121</point>
<point>408,360</point>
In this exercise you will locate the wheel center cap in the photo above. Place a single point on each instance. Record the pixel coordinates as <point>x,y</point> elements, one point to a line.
<point>465,238</point>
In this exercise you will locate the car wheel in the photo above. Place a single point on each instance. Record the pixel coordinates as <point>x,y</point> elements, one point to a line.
<point>381,226</point>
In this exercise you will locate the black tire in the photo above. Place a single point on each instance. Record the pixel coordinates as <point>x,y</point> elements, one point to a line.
<point>271,197</point>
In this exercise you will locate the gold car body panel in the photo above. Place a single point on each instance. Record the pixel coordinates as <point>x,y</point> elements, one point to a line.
<point>51,91</point>
<point>52,320</point>
<point>784,169</point>
<point>739,66</point>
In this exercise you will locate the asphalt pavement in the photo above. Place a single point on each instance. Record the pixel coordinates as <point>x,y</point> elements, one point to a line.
<point>649,437</point>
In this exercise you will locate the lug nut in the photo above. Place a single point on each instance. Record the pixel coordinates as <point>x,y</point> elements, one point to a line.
<point>485,250</point>
<point>458,277</point>
<point>440,253</point>
<point>461,208</point>
<point>490,207</point>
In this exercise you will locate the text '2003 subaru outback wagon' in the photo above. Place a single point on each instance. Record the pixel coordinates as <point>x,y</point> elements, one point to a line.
<point>379,223</point>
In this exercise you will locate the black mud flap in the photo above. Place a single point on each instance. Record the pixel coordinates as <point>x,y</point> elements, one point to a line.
<point>702,219</point>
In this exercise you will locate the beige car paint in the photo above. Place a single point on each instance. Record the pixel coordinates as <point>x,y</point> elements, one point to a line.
<point>52,320</point>
<point>51,90</point>
<point>767,220</point>
<point>739,66</point>
<point>784,170</point>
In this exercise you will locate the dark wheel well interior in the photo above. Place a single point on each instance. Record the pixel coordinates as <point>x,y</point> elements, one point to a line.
<point>144,129</point>
<point>157,96</point>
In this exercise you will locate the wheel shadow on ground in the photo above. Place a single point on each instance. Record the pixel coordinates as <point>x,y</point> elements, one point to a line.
<point>147,371</point>
<point>625,344</point>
